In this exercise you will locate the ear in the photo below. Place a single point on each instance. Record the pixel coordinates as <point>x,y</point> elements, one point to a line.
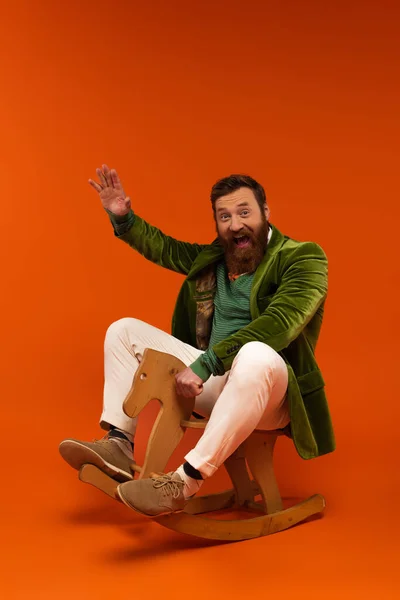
<point>267,211</point>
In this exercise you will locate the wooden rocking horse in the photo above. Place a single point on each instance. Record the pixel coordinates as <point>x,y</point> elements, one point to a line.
<point>155,379</point>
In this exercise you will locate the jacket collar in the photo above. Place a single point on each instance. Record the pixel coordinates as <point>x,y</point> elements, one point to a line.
<point>211,254</point>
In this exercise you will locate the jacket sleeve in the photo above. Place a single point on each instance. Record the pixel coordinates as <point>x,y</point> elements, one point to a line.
<point>154,245</point>
<point>303,288</point>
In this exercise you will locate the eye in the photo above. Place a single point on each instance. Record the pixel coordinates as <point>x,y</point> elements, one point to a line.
<point>224,217</point>
<point>245,212</point>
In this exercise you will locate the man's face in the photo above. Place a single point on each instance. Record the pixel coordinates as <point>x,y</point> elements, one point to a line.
<point>242,230</point>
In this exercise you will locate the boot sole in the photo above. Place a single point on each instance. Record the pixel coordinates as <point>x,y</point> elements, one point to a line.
<point>77,455</point>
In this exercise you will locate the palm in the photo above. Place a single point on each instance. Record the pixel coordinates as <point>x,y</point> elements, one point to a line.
<point>111,196</point>
<point>111,192</point>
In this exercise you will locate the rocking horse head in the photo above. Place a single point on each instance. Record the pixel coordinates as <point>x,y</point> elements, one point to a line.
<point>154,379</point>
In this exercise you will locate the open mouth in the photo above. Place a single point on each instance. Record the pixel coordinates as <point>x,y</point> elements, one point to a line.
<point>242,241</point>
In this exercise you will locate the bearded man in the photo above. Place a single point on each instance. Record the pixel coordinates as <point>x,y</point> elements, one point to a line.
<point>246,324</point>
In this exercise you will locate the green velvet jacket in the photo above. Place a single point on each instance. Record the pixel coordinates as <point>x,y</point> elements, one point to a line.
<point>286,303</point>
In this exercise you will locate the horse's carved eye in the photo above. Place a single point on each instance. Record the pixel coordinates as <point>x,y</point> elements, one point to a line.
<point>143,376</point>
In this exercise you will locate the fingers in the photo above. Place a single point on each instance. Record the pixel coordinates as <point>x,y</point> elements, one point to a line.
<point>102,177</point>
<point>192,390</point>
<point>107,178</point>
<point>188,390</point>
<point>95,185</point>
<point>178,386</point>
<point>115,180</point>
<point>107,175</point>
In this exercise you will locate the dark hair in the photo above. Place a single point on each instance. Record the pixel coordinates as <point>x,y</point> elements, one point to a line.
<point>230,184</point>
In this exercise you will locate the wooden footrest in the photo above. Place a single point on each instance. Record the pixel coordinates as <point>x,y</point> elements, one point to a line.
<point>96,477</point>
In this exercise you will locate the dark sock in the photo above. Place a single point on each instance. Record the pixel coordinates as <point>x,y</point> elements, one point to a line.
<point>118,433</point>
<point>195,414</point>
<point>191,471</point>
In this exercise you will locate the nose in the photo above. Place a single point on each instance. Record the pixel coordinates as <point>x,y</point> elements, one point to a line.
<point>236,224</point>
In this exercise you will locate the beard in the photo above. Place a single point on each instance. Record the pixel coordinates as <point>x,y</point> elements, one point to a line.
<point>245,260</point>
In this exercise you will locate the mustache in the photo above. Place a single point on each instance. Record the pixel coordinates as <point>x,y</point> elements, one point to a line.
<point>247,232</point>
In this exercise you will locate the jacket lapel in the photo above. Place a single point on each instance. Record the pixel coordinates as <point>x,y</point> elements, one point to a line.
<point>274,245</point>
<point>208,256</point>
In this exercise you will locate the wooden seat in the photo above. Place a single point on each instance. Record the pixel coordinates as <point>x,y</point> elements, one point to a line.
<point>155,379</point>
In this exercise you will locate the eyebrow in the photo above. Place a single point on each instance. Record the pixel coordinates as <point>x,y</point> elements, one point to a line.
<point>225,209</point>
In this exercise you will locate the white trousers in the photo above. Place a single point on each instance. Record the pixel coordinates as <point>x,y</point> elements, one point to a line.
<point>252,395</point>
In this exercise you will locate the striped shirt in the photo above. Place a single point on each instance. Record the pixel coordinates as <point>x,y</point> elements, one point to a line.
<point>232,305</point>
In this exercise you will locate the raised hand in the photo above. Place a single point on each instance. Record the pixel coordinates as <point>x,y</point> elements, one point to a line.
<point>111,192</point>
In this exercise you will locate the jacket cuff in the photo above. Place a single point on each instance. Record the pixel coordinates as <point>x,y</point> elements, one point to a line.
<point>201,369</point>
<point>121,224</point>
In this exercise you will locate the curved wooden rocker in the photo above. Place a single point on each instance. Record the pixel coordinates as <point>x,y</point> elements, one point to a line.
<point>155,379</point>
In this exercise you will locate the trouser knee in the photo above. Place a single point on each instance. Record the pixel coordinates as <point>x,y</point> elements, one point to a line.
<point>119,328</point>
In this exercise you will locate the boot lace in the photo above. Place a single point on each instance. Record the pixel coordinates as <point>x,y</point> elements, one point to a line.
<point>170,486</point>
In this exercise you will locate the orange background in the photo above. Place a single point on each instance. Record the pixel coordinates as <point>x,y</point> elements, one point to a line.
<point>302,96</point>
